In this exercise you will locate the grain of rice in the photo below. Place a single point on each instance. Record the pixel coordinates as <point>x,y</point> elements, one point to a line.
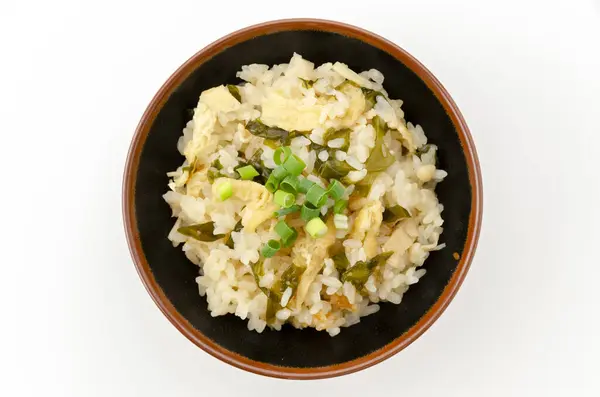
<point>336,143</point>
<point>285,298</point>
<point>356,176</point>
<point>323,155</point>
<point>340,155</point>
<point>283,314</point>
<point>354,163</point>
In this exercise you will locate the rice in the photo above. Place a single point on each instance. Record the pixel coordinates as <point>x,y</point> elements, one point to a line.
<point>305,283</point>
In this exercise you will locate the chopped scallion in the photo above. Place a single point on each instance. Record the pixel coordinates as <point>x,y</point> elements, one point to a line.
<point>284,199</point>
<point>340,206</point>
<point>282,154</point>
<point>316,195</point>
<point>294,165</point>
<point>225,190</point>
<point>272,183</point>
<point>336,190</point>
<point>309,212</point>
<point>290,184</point>
<point>279,173</point>
<point>304,185</point>
<point>285,211</point>
<point>247,172</point>
<point>316,228</point>
<point>271,248</point>
<point>288,235</point>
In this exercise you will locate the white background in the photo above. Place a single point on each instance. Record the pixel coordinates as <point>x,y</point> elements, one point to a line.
<point>74,81</point>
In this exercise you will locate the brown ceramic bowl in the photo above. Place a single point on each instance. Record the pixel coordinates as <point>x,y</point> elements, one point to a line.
<point>170,278</point>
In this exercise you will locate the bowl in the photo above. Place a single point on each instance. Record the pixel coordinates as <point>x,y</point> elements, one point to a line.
<point>170,278</point>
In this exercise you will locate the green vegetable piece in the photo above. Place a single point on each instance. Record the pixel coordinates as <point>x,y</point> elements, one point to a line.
<point>360,272</point>
<point>286,211</point>
<point>292,135</point>
<point>247,172</point>
<point>332,134</point>
<point>270,249</point>
<point>309,212</point>
<point>288,234</point>
<point>201,232</point>
<point>304,185</point>
<point>371,96</point>
<point>340,206</point>
<point>334,168</point>
<point>280,173</point>
<point>290,279</point>
<point>395,213</point>
<point>272,184</point>
<point>346,83</point>
<point>424,149</point>
<point>272,303</point>
<point>380,157</point>
<point>317,196</point>
<point>318,148</point>
<point>307,83</point>
<point>294,165</point>
<point>235,92</point>
<point>316,228</point>
<point>212,174</point>
<point>256,127</point>
<point>273,306</point>
<point>363,186</point>
<point>225,190</point>
<point>340,262</point>
<point>357,275</point>
<point>336,190</point>
<point>256,162</point>
<point>284,199</point>
<point>258,271</point>
<point>282,154</point>
<point>290,184</point>
<point>237,228</point>
<point>273,144</point>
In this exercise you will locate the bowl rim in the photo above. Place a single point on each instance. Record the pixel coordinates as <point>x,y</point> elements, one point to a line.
<point>143,268</point>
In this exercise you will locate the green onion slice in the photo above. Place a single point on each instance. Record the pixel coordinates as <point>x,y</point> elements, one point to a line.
<point>284,199</point>
<point>224,190</point>
<point>304,185</point>
<point>316,228</point>
<point>294,165</point>
<point>286,211</point>
<point>309,212</point>
<point>316,195</point>
<point>272,183</point>
<point>247,172</point>
<point>336,190</point>
<point>340,206</point>
<point>290,184</point>
<point>282,154</point>
<point>280,173</point>
<point>288,235</point>
<point>271,248</point>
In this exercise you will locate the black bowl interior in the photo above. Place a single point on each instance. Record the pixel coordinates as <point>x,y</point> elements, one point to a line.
<point>175,275</point>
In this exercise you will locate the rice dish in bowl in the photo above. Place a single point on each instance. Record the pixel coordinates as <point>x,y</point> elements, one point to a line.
<point>304,197</point>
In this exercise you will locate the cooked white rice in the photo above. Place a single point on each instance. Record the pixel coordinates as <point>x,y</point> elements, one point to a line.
<point>234,275</point>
